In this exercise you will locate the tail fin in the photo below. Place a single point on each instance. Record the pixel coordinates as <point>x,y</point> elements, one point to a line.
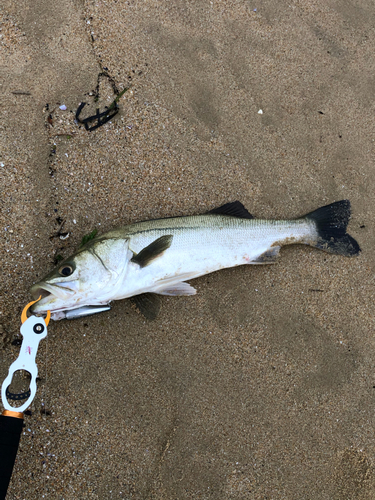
<point>331,223</point>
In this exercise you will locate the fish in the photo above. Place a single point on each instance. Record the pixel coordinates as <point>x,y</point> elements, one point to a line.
<point>157,257</point>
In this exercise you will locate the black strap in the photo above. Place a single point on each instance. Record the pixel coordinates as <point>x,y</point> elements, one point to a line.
<point>101,118</point>
<point>10,433</point>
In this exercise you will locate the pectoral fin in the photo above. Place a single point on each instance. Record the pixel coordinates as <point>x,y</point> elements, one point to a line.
<point>153,250</point>
<point>148,304</point>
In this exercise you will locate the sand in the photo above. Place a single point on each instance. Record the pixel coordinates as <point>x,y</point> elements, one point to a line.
<point>261,386</point>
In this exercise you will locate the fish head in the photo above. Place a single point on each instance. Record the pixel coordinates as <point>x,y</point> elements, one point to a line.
<point>91,276</point>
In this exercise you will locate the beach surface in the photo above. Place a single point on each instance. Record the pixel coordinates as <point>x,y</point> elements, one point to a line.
<point>261,386</point>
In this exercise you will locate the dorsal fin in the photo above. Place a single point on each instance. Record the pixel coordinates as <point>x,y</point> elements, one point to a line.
<point>235,209</point>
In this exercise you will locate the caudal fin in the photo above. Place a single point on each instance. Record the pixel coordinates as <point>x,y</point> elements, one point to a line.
<point>331,223</point>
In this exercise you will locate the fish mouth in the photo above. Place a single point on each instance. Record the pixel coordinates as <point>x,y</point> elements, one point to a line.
<point>40,292</point>
<point>49,294</point>
<point>60,301</point>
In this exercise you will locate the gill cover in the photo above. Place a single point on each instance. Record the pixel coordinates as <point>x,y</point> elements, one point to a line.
<point>110,252</point>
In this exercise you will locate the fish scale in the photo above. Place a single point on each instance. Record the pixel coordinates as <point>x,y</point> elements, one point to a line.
<point>218,242</point>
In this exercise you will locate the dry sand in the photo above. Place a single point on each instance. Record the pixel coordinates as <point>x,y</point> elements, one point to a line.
<point>262,386</point>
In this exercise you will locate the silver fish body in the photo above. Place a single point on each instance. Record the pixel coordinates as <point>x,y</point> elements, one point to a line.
<point>159,256</point>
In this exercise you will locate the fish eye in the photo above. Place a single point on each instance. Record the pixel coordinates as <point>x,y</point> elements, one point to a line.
<point>66,270</point>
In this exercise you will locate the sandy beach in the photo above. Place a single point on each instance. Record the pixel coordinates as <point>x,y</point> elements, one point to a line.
<point>261,386</point>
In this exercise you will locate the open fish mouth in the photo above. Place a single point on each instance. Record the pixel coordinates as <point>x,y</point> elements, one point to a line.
<point>49,292</point>
<point>59,300</point>
<point>40,292</point>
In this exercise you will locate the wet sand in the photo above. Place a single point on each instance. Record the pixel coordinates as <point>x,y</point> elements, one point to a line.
<point>262,385</point>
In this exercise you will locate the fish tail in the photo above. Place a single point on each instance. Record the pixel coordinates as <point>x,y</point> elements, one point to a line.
<point>331,222</point>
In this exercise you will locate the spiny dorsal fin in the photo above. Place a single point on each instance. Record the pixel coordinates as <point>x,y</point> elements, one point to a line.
<point>153,250</point>
<point>235,209</point>
<point>148,304</point>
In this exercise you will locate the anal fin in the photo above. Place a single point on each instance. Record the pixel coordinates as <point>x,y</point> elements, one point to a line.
<point>267,257</point>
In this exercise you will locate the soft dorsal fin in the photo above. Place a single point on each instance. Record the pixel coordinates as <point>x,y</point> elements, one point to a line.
<point>153,250</point>
<point>235,209</point>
